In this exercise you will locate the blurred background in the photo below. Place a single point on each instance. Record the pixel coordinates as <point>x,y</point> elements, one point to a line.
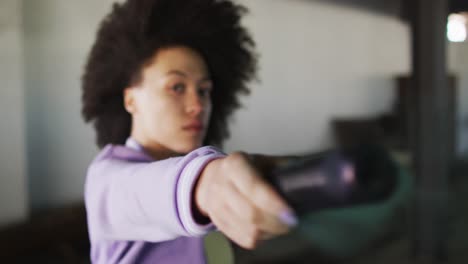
<point>329,71</point>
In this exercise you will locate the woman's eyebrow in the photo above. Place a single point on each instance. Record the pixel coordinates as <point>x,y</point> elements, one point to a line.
<point>176,72</point>
<point>180,73</point>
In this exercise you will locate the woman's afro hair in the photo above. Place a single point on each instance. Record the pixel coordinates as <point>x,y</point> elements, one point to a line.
<point>130,35</point>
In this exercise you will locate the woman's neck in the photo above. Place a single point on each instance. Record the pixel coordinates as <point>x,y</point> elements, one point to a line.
<point>153,149</point>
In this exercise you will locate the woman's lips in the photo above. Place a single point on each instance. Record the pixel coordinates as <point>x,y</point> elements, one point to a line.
<point>194,126</point>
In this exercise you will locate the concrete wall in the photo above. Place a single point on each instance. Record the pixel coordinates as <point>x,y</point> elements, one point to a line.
<point>58,35</point>
<point>458,65</point>
<point>318,61</point>
<point>13,193</point>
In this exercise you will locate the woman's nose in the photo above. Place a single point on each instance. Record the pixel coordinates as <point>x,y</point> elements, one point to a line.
<point>194,104</point>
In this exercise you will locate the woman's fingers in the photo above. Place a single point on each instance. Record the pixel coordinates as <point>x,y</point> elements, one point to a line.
<point>236,229</point>
<point>250,183</point>
<point>240,203</point>
<point>252,215</point>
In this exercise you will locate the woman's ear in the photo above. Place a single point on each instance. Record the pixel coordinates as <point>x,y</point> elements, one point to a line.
<point>129,100</point>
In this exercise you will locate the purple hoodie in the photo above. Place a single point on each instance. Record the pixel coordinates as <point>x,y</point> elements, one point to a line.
<point>139,210</point>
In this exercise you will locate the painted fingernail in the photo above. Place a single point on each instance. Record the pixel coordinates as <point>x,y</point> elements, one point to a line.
<point>289,218</point>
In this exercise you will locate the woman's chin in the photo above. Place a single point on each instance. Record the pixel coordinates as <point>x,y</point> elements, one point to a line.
<point>189,147</point>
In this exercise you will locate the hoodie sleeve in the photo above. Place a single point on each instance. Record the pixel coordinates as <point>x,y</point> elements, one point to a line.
<point>128,200</point>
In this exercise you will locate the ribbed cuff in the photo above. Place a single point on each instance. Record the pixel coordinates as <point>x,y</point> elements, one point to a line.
<point>185,187</point>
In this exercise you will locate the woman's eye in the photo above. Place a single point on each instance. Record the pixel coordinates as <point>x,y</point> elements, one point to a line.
<point>178,88</point>
<point>204,92</point>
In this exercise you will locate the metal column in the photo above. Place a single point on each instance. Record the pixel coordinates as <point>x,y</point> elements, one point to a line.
<point>431,138</point>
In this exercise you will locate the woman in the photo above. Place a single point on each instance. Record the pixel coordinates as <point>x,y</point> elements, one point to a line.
<point>161,81</point>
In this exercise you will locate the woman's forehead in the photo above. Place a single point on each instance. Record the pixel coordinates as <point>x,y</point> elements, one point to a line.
<point>181,61</point>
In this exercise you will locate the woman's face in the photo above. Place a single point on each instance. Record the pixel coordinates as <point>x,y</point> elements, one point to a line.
<point>171,105</point>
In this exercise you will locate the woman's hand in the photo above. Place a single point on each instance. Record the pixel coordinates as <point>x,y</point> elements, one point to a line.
<point>232,193</point>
